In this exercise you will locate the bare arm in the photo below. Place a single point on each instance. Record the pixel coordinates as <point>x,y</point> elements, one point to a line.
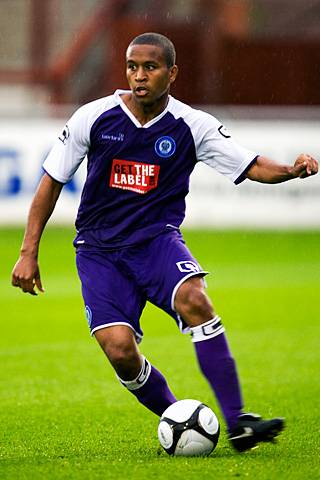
<point>267,171</point>
<point>26,273</point>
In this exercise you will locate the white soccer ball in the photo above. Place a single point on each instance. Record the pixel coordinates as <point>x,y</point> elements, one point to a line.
<point>188,428</point>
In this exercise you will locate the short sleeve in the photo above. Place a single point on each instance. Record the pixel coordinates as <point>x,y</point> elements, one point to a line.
<point>70,148</point>
<point>216,148</point>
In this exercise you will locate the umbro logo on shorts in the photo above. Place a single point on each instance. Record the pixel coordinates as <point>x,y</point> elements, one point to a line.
<point>188,266</point>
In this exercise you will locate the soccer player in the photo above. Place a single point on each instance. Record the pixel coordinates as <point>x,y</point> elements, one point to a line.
<point>141,146</point>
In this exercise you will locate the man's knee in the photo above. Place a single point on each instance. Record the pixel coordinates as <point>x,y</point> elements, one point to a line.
<point>192,302</point>
<point>120,347</point>
<point>120,354</point>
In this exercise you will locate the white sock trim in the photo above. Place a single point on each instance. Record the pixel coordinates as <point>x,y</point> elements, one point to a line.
<point>141,378</point>
<point>210,329</point>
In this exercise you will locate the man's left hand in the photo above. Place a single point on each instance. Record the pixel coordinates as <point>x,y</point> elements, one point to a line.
<point>305,166</point>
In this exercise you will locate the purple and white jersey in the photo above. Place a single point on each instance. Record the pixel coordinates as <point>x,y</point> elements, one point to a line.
<point>138,176</point>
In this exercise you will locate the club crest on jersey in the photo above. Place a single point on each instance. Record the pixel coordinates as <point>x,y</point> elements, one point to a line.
<point>165,146</point>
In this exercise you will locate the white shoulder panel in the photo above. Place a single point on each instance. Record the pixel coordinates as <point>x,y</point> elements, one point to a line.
<point>214,145</point>
<point>73,143</point>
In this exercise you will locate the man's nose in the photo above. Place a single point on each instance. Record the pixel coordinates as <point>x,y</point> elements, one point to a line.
<point>140,74</point>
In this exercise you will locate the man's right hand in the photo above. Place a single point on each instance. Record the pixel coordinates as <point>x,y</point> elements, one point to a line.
<point>26,275</point>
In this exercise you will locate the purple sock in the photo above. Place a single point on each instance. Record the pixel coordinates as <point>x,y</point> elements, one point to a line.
<point>219,368</point>
<point>151,389</point>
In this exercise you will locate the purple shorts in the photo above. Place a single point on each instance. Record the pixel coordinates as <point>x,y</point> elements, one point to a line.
<point>117,283</point>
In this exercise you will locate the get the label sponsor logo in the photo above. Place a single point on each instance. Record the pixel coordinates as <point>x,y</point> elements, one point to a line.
<point>135,176</point>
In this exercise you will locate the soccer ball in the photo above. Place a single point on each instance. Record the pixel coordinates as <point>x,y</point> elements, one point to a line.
<point>188,428</point>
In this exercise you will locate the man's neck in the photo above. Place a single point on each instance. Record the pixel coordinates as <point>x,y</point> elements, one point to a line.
<point>144,113</point>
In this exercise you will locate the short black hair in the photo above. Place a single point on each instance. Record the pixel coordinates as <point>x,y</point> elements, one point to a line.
<point>160,41</point>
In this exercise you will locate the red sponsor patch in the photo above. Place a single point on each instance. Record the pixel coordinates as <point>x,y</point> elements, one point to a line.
<point>135,176</point>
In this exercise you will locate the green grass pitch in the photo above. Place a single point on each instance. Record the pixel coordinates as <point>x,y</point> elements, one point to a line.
<point>63,414</point>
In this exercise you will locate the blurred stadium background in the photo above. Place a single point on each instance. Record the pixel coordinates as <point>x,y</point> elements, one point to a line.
<point>255,64</point>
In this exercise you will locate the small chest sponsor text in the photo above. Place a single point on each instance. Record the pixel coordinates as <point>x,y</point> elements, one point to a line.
<point>135,176</point>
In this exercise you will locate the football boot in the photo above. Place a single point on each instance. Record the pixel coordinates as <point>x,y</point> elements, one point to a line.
<point>251,429</point>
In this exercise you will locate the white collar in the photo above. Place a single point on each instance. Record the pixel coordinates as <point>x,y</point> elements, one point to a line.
<point>118,93</point>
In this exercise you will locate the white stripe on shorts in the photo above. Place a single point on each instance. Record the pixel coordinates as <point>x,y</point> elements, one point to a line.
<point>105,325</point>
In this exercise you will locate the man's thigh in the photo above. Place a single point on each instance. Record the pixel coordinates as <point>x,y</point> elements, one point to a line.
<point>167,263</point>
<point>110,296</point>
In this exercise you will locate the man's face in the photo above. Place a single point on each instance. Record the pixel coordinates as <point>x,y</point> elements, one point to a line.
<point>148,75</point>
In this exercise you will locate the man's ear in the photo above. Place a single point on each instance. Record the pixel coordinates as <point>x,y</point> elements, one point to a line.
<point>173,73</point>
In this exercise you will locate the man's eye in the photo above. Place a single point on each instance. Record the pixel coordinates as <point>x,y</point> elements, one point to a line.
<point>150,67</point>
<point>131,67</point>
